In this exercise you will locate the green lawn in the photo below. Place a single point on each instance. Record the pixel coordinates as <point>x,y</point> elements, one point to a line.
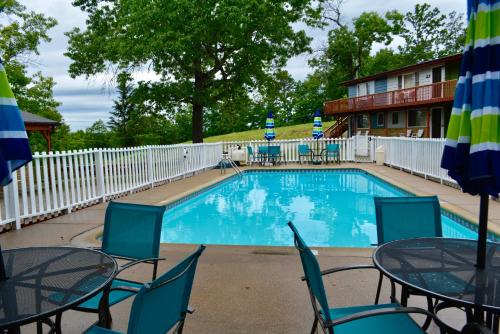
<point>284,132</point>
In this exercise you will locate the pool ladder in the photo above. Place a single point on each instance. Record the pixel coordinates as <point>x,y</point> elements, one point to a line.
<point>222,164</point>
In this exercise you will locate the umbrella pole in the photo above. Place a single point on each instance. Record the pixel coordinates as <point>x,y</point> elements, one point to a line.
<point>482,231</point>
<point>3,275</point>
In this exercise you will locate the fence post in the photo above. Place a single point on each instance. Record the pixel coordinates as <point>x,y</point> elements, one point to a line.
<point>13,195</point>
<point>151,179</point>
<point>99,167</point>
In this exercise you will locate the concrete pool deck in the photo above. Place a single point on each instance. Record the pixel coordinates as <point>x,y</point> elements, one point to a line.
<point>241,289</point>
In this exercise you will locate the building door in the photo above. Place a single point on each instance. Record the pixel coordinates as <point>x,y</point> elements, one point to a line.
<point>436,77</point>
<point>437,130</point>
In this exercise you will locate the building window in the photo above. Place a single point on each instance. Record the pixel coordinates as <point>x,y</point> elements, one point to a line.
<point>395,118</point>
<point>368,88</point>
<point>362,121</point>
<point>417,118</point>
<point>380,119</point>
<point>417,79</point>
<point>400,82</point>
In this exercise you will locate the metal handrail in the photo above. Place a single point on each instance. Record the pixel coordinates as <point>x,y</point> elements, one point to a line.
<point>226,158</point>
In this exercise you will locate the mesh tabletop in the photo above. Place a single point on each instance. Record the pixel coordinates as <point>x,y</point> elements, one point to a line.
<point>42,281</point>
<point>444,268</point>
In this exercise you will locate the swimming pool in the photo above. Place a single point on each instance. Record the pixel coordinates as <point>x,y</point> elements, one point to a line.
<point>331,208</point>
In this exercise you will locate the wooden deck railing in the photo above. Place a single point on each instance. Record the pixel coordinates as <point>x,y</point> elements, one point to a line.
<point>433,93</point>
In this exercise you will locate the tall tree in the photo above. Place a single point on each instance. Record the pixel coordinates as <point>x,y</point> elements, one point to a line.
<point>201,50</point>
<point>428,33</point>
<point>123,111</point>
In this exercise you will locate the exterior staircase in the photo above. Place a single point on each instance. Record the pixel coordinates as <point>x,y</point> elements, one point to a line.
<point>338,128</point>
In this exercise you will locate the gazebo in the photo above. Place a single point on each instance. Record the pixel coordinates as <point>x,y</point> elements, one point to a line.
<point>41,124</point>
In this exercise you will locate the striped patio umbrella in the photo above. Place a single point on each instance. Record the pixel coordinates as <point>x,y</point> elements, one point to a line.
<point>472,150</point>
<point>317,125</point>
<point>14,146</point>
<point>270,134</point>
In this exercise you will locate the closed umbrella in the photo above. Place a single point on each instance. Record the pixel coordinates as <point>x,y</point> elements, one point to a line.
<point>269,134</point>
<point>317,125</point>
<point>317,132</point>
<point>472,150</point>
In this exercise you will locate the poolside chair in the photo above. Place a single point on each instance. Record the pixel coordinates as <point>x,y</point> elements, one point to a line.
<point>333,151</point>
<point>251,158</point>
<point>419,134</point>
<point>131,233</point>
<point>263,153</point>
<point>304,151</point>
<point>163,303</point>
<point>373,319</point>
<point>403,218</point>
<point>275,154</point>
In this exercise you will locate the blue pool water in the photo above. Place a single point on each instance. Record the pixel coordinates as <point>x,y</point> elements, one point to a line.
<point>330,208</point>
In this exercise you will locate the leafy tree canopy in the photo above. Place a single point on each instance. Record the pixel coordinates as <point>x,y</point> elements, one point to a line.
<point>203,51</point>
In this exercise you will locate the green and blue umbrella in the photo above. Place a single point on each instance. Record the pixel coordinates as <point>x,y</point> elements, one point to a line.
<point>270,134</point>
<point>472,150</point>
<point>14,146</point>
<point>317,125</point>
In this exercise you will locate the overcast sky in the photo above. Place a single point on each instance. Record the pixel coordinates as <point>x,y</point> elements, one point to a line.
<point>85,101</point>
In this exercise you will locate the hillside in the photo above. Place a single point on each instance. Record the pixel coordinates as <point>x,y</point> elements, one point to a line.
<point>284,132</point>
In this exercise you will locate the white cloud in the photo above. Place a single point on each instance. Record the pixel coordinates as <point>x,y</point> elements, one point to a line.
<point>85,101</point>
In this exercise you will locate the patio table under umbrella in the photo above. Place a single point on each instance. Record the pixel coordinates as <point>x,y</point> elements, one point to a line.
<point>472,150</point>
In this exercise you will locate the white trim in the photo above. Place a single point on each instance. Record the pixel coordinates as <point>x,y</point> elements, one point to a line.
<point>487,146</point>
<point>482,42</point>
<point>464,139</point>
<point>488,8</point>
<point>487,110</point>
<point>8,101</point>
<point>451,143</point>
<point>488,75</point>
<point>13,134</point>
<point>458,111</point>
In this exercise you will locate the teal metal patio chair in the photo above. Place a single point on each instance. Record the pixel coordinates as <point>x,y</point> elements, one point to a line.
<point>131,233</point>
<point>304,151</point>
<point>373,319</point>
<point>275,155</point>
<point>163,303</point>
<point>262,153</point>
<point>403,218</point>
<point>333,152</point>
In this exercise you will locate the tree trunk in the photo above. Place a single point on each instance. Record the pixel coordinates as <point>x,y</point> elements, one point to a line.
<point>197,104</point>
<point>197,123</point>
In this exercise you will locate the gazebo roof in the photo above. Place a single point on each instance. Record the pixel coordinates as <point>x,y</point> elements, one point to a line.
<point>32,119</point>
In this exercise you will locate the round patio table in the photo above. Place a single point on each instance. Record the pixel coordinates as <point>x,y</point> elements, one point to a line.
<point>444,268</point>
<point>45,281</point>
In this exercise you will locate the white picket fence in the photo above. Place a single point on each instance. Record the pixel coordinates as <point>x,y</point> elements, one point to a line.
<point>60,182</point>
<point>420,156</point>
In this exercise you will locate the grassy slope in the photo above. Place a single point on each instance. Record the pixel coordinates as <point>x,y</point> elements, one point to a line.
<point>284,132</point>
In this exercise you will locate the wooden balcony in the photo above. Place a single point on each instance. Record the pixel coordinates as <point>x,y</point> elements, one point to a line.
<point>415,96</point>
